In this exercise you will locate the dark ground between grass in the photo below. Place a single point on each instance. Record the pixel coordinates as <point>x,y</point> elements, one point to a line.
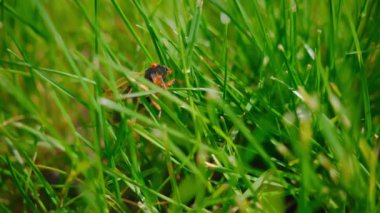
<point>275,108</point>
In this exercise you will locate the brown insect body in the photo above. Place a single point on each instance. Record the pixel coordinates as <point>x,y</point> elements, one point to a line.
<point>156,73</point>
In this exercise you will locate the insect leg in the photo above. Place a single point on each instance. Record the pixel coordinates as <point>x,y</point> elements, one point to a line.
<point>170,83</point>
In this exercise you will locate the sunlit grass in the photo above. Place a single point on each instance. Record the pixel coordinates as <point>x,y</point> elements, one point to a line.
<point>275,106</point>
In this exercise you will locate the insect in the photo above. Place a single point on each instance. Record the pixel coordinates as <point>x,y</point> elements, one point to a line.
<point>156,74</point>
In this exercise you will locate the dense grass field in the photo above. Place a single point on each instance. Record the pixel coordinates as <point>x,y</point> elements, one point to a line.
<point>275,106</point>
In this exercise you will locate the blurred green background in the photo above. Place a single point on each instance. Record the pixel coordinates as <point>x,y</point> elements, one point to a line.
<point>275,106</point>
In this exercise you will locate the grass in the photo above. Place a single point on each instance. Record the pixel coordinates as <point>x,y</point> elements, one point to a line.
<point>275,106</point>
